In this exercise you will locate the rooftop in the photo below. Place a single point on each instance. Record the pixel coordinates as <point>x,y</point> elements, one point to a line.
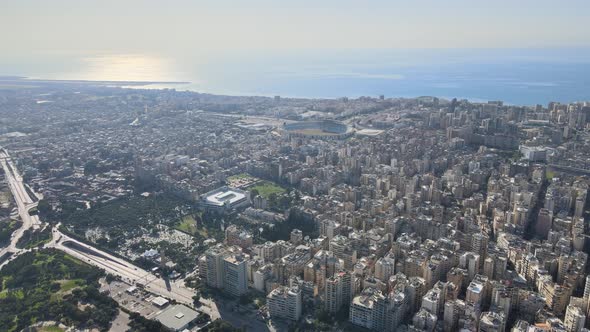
<point>224,195</point>
<point>177,317</point>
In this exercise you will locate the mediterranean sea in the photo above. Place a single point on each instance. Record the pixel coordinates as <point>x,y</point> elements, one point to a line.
<point>523,77</point>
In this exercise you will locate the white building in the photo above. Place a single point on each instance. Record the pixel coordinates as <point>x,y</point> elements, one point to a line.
<point>235,274</point>
<point>284,302</point>
<point>534,153</point>
<point>226,198</point>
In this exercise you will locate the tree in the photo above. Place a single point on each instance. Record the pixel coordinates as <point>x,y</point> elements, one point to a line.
<point>110,278</point>
<point>221,326</point>
<point>197,300</point>
<point>254,193</point>
<point>44,208</point>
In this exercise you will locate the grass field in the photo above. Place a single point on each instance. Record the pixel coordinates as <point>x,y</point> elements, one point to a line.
<point>51,329</point>
<point>66,286</point>
<point>239,177</point>
<point>314,132</point>
<point>266,188</point>
<point>188,224</point>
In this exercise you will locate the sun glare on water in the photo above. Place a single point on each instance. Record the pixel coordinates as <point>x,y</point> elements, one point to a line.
<point>127,67</point>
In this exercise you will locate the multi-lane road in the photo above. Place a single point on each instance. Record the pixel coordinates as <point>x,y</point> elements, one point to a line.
<point>23,202</point>
<point>114,265</point>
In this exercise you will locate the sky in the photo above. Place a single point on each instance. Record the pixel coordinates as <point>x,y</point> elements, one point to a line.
<point>210,28</point>
<point>318,48</point>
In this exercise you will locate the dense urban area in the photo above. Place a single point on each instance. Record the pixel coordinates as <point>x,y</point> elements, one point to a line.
<point>127,209</point>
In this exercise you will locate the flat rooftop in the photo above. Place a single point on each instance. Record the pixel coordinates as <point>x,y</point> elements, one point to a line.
<point>176,317</point>
<point>223,196</point>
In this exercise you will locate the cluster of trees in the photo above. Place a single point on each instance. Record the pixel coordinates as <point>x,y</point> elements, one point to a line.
<point>32,291</point>
<point>94,167</point>
<point>222,326</point>
<point>67,208</point>
<point>34,238</point>
<point>122,217</point>
<point>278,201</point>
<point>7,227</point>
<point>282,231</point>
<point>324,321</point>
<point>281,202</point>
<point>184,258</point>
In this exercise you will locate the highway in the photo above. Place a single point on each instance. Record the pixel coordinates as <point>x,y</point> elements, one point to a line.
<point>119,267</point>
<point>23,202</point>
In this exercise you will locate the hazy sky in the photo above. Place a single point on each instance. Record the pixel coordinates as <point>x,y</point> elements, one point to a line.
<point>221,26</point>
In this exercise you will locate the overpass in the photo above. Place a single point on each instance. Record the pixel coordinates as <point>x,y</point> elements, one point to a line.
<point>24,205</point>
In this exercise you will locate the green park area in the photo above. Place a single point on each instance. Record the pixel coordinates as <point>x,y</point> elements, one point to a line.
<point>50,285</point>
<point>7,226</point>
<point>50,329</point>
<point>267,188</point>
<point>187,224</point>
<point>34,238</point>
<point>241,176</point>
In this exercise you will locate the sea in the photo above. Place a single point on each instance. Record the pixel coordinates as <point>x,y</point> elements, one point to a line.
<point>515,76</point>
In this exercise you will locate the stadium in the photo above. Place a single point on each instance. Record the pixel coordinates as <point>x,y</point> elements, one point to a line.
<point>326,129</point>
<point>225,198</point>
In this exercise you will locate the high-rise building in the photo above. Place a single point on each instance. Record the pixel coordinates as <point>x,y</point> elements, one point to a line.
<point>415,290</point>
<point>479,245</point>
<point>384,268</point>
<point>368,309</point>
<point>235,277</point>
<point>478,291</point>
<point>502,298</point>
<point>470,262</point>
<point>214,259</point>
<point>543,224</point>
<point>556,296</point>
<point>424,320</point>
<point>338,291</point>
<point>574,319</point>
<point>225,270</point>
<point>453,311</point>
<point>375,311</point>
<point>285,302</point>
<point>491,321</point>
